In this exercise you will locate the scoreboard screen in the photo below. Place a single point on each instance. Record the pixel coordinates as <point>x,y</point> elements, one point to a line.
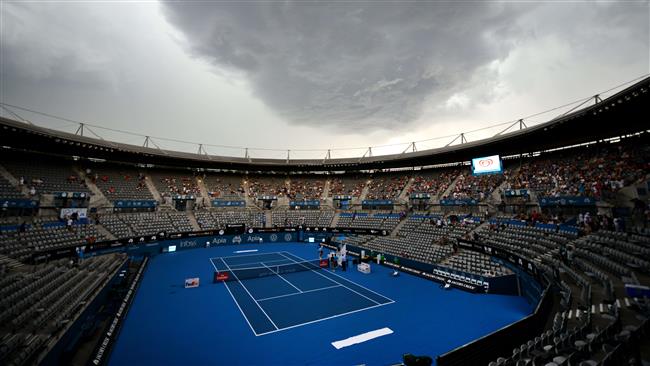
<point>487,165</point>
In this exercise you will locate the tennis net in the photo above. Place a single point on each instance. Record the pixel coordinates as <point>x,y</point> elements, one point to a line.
<point>234,274</point>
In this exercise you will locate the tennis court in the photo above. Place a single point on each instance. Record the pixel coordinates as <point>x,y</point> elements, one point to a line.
<point>267,288</point>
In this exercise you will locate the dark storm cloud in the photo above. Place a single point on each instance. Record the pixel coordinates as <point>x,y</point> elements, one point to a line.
<point>370,64</point>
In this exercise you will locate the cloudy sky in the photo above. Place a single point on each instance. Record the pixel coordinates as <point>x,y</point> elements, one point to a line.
<point>312,75</point>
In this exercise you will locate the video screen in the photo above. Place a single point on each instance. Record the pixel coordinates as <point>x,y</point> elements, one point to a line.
<point>487,165</point>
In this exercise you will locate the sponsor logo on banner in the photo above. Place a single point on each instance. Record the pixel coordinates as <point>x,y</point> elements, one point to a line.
<point>221,232</point>
<point>222,276</point>
<point>81,212</point>
<point>236,240</point>
<point>188,244</point>
<point>253,239</point>
<point>274,237</point>
<point>192,282</point>
<point>219,241</point>
<point>323,263</point>
<point>288,237</point>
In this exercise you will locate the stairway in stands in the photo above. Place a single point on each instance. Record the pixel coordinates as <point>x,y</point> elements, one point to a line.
<point>13,181</point>
<point>193,222</point>
<point>269,218</point>
<point>404,195</point>
<point>250,201</point>
<point>365,190</point>
<point>326,190</point>
<point>102,231</point>
<point>398,227</point>
<point>152,188</point>
<point>97,198</point>
<point>204,193</point>
<point>335,220</point>
<point>450,188</point>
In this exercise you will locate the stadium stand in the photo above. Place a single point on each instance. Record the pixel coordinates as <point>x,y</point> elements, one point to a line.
<point>477,263</point>
<point>146,223</point>
<point>46,175</point>
<point>121,183</point>
<point>434,182</point>
<point>224,185</point>
<point>170,183</point>
<point>8,190</point>
<point>603,170</point>
<point>365,220</point>
<point>313,218</point>
<point>219,218</point>
<point>306,188</point>
<point>36,307</point>
<point>474,187</point>
<point>21,240</point>
<point>347,185</point>
<point>266,186</point>
<point>387,186</point>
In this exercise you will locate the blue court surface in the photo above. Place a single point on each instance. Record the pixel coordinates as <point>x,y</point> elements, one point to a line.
<point>293,318</point>
<point>268,302</point>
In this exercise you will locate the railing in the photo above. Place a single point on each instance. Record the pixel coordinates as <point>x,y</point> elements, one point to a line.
<point>97,130</point>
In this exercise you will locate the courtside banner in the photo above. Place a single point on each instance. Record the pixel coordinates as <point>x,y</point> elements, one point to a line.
<point>221,276</point>
<point>192,282</point>
<point>323,263</point>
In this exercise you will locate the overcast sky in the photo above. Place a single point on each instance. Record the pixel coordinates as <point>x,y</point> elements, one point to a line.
<point>302,75</point>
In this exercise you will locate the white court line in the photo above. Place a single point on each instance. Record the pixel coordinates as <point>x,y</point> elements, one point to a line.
<point>258,266</point>
<point>284,279</point>
<point>215,267</point>
<point>320,274</point>
<point>363,287</point>
<point>246,251</point>
<point>239,307</point>
<point>320,320</point>
<point>298,293</point>
<point>245,255</point>
<point>351,341</point>
<point>236,266</point>
<point>249,294</point>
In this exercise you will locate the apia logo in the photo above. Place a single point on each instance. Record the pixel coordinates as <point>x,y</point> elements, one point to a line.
<point>219,241</point>
<point>273,237</point>
<point>236,240</point>
<point>253,239</point>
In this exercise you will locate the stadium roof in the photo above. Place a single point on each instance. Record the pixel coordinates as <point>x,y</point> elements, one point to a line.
<point>618,115</point>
